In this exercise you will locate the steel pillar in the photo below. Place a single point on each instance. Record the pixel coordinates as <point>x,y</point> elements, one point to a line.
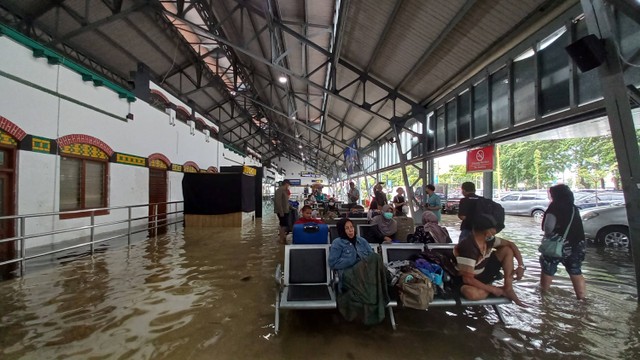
<point>599,19</point>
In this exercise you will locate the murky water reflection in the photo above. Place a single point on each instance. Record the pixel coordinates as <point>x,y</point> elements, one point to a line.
<point>209,293</point>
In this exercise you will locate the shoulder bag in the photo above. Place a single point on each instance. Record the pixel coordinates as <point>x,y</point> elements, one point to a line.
<point>552,246</point>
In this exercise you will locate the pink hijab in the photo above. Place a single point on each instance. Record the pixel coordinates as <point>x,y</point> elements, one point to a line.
<point>430,223</point>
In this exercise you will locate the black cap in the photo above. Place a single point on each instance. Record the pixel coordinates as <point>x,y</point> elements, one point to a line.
<point>286,181</point>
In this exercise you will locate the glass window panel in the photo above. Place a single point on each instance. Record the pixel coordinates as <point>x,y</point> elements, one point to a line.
<point>440,126</point>
<point>480,109</point>
<point>524,87</point>
<point>94,184</point>
<point>588,83</point>
<point>70,170</point>
<point>464,116</point>
<point>3,156</point>
<point>431,132</point>
<point>629,40</point>
<point>499,100</point>
<point>554,72</point>
<point>451,122</point>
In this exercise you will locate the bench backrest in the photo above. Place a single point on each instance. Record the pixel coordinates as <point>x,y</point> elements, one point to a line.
<point>366,232</point>
<point>333,232</point>
<point>306,264</point>
<point>399,252</point>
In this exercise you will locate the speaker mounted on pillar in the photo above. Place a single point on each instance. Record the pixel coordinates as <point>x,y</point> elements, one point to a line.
<point>588,52</point>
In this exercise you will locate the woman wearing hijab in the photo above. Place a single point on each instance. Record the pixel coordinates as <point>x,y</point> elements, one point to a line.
<point>363,288</point>
<point>348,248</point>
<point>563,214</point>
<point>431,227</point>
<point>386,224</point>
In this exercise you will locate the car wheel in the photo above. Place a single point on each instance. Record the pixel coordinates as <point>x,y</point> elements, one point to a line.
<point>614,236</point>
<point>537,215</point>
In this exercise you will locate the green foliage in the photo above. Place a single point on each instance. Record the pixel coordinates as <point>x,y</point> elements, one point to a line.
<point>536,164</point>
<point>458,174</point>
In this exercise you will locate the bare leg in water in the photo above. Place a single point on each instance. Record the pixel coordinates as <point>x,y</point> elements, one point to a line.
<point>505,255</point>
<point>579,284</point>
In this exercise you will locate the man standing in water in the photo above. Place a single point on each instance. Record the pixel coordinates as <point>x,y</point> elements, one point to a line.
<point>353,195</point>
<point>479,265</point>
<point>281,207</point>
<point>467,208</point>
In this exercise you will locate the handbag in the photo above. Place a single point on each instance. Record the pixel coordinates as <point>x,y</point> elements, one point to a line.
<point>552,246</point>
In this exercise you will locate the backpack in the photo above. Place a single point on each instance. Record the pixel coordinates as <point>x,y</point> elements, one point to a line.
<point>415,289</point>
<point>489,207</point>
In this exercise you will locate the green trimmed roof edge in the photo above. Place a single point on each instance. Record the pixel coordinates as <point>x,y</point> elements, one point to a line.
<point>53,57</point>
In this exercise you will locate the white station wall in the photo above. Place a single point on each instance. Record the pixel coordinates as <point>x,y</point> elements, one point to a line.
<point>98,112</point>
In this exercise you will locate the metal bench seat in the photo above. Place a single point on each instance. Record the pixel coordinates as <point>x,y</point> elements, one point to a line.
<point>307,282</point>
<point>395,252</point>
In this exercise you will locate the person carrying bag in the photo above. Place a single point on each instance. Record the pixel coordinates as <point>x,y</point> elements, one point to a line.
<point>568,249</point>
<point>552,246</point>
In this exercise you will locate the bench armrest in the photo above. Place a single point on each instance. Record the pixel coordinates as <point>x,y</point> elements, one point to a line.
<point>278,275</point>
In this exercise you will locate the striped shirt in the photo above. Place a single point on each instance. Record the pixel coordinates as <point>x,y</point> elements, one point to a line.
<point>470,258</point>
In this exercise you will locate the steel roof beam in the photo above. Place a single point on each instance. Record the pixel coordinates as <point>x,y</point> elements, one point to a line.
<point>439,39</point>
<point>364,76</point>
<point>84,27</point>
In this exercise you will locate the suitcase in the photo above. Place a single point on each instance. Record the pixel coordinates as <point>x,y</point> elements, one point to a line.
<point>310,233</point>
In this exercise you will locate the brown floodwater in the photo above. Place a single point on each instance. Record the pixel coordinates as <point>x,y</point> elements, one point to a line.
<point>209,294</point>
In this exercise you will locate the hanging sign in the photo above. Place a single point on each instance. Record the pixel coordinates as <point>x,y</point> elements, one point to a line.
<point>308,174</point>
<point>480,159</point>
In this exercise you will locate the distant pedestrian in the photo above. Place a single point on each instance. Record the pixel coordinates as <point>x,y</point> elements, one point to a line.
<point>399,202</point>
<point>282,208</point>
<point>353,195</point>
<point>467,208</point>
<point>557,219</point>
<point>433,202</point>
<point>381,197</point>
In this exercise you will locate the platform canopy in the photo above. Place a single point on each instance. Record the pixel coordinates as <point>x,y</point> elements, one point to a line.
<point>300,79</point>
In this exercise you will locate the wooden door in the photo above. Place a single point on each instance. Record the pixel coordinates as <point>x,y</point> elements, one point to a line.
<point>157,195</point>
<point>7,191</point>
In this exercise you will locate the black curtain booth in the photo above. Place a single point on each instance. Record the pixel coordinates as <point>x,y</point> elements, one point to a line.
<point>217,194</point>
<point>257,190</point>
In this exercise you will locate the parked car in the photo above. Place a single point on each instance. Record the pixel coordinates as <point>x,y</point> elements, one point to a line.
<point>451,205</point>
<point>589,200</point>
<point>525,203</point>
<point>607,225</point>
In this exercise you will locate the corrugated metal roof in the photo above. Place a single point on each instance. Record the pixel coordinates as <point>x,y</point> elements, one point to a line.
<point>385,59</point>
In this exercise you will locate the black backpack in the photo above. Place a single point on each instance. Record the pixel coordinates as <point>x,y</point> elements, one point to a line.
<point>489,207</point>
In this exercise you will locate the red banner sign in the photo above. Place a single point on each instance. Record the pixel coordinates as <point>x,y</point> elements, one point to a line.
<point>480,159</point>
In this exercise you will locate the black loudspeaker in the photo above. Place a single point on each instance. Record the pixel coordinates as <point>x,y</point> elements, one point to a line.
<point>588,52</point>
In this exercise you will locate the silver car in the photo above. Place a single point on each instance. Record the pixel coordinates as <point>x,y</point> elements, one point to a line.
<point>525,203</point>
<point>607,225</point>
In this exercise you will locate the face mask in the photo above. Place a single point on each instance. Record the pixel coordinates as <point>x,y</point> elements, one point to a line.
<point>388,215</point>
<point>490,238</point>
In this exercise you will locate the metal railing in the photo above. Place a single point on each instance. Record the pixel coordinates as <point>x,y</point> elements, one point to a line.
<point>150,221</point>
